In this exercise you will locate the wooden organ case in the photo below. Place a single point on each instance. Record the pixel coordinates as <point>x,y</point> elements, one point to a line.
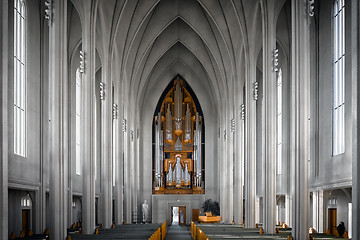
<point>178,161</point>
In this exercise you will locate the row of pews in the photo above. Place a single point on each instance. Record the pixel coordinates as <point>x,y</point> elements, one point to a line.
<point>30,235</point>
<point>127,231</point>
<point>223,231</point>
<point>201,231</point>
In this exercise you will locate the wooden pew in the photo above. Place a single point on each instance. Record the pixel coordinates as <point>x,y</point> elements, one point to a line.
<point>131,231</point>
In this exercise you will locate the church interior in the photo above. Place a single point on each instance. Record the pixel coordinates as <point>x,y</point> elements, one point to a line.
<point>132,115</point>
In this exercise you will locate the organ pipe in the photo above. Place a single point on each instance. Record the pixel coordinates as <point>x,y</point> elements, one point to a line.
<point>197,152</point>
<point>187,175</point>
<point>169,175</point>
<point>161,158</point>
<point>169,136</point>
<point>178,172</point>
<point>187,137</point>
<point>178,109</point>
<point>157,151</point>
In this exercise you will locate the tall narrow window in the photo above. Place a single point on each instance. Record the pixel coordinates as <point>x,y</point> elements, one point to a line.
<point>279,122</point>
<point>339,78</point>
<point>20,128</point>
<point>78,122</point>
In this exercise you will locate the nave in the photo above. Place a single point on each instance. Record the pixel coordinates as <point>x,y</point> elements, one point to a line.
<point>117,112</point>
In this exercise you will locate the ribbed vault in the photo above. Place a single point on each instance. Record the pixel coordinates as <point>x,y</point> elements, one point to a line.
<point>152,36</point>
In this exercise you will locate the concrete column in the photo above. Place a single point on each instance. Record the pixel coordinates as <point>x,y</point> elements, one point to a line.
<point>57,108</point>
<point>137,164</point>
<point>133,169</point>
<point>288,210</point>
<point>318,211</point>
<point>270,115</point>
<point>118,172</point>
<point>230,172</point>
<point>4,33</point>
<point>250,146</point>
<point>106,147</point>
<point>257,210</point>
<point>226,169</point>
<point>118,154</point>
<point>238,171</point>
<point>222,185</point>
<point>127,170</point>
<point>315,208</point>
<point>300,105</point>
<point>88,131</point>
<point>355,66</point>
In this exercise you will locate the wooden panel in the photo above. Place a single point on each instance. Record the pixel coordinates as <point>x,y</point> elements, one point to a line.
<point>211,219</point>
<point>195,215</point>
<point>26,221</point>
<point>178,191</point>
<point>182,215</point>
<point>332,212</point>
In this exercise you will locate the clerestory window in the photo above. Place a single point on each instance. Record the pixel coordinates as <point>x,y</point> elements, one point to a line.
<point>339,78</point>
<point>20,93</point>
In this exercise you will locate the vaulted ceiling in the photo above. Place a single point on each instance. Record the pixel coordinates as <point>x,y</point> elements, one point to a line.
<point>150,38</point>
<point>209,41</point>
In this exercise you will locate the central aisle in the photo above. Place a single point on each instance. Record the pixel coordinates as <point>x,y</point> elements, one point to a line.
<point>177,232</point>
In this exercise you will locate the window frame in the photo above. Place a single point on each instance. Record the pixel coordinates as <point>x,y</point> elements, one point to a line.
<point>338,77</point>
<point>20,78</point>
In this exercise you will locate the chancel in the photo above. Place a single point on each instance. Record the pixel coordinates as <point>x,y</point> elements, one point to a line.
<point>159,119</point>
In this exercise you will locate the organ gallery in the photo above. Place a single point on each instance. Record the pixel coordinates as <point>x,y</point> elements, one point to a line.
<point>178,164</point>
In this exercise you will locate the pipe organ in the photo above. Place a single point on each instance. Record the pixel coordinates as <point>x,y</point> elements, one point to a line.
<point>178,164</point>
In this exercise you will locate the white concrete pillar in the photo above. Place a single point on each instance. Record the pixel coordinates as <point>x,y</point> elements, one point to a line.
<point>118,155</point>
<point>133,169</point>
<point>257,211</point>
<point>106,146</point>
<point>118,190</point>
<point>250,145</point>
<point>300,105</point>
<point>230,172</point>
<point>4,33</point>
<point>238,171</point>
<point>350,220</point>
<point>58,62</point>
<point>270,117</point>
<point>127,169</point>
<point>226,169</point>
<point>221,171</point>
<point>88,118</point>
<point>355,75</point>
<point>318,211</point>
<point>288,210</point>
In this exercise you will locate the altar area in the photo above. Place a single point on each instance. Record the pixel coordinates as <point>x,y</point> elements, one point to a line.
<point>162,205</point>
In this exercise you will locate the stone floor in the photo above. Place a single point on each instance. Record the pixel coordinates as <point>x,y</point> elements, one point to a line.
<point>176,232</point>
